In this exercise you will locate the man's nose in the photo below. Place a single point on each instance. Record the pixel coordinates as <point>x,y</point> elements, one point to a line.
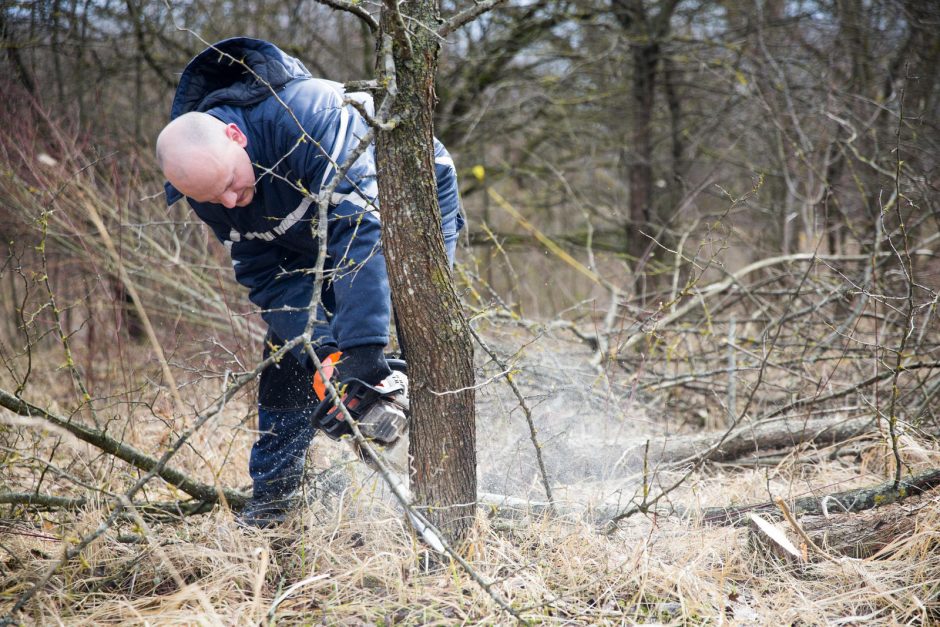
<point>229,199</point>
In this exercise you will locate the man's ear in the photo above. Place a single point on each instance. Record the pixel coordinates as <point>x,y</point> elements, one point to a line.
<point>235,134</point>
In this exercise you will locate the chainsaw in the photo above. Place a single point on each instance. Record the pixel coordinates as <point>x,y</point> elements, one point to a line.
<point>380,411</point>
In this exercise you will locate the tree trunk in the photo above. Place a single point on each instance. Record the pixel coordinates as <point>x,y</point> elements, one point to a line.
<point>440,353</point>
<point>7,39</point>
<point>646,26</point>
<point>645,59</point>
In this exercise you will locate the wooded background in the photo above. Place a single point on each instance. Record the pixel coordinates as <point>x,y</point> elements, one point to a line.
<point>617,161</point>
<point>612,124</point>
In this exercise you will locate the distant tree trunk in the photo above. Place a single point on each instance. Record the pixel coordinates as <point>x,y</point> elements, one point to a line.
<point>645,58</point>
<point>13,55</point>
<point>670,79</point>
<point>57,12</point>
<point>645,30</point>
<point>440,357</point>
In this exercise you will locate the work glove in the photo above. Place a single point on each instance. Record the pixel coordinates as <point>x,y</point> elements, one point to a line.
<point>365,363</point>
<point>348,371</point>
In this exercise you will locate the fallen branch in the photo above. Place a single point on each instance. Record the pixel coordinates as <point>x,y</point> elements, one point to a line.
<point>44,501</point>
<point>857,500</point>
<point>167,509</point>
<point>669,453</point>
<point>742,442</point>
<point>200,491</point>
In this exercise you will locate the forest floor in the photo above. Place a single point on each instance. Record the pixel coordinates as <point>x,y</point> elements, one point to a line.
<point>348,557</point>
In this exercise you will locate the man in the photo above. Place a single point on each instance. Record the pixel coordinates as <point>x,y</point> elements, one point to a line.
<point>253,139</point>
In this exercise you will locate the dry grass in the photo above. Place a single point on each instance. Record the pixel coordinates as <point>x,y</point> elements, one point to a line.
<point>353,560</point>
<point>362,567</point>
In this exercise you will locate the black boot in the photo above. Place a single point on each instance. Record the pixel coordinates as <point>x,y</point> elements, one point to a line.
<point>266,511</point>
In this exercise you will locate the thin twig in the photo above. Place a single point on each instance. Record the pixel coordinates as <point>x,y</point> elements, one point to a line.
<point>719,287</point>
<point>131,288</point>
<point>908,267</point>
<point>122,451</point>
<point>816,400</point>
<point>533,432</point>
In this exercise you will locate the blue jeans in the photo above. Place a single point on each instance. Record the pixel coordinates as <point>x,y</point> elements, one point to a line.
<point>285,404</point>
<point>277,458</point>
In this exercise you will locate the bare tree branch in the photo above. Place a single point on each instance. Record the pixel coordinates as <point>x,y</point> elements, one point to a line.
<point>466,16</point>
<point>354,8</point>
<point>46,501</point>
<point>881,376</point>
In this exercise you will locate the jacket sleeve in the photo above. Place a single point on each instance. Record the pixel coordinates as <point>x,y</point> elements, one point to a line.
<point>358,277</point>
<point>448,195</point>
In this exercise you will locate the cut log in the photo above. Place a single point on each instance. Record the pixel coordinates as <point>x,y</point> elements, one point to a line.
<point>872,534</point>
<point>765,538</point>
<point>865,534</point>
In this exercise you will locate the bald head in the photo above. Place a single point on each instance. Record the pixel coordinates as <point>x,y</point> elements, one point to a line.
<point>187,133</point>
<point>205,159</point>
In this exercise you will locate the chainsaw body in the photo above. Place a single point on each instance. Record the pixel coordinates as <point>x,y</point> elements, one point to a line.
<point>380,411</point>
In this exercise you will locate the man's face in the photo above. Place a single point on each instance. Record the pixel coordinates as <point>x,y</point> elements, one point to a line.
<point>220,173</point>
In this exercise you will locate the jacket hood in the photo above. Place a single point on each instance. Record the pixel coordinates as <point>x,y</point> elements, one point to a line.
<point>216,76</point>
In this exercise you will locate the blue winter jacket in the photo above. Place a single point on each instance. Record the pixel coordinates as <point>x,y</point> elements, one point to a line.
<point>271,240</point>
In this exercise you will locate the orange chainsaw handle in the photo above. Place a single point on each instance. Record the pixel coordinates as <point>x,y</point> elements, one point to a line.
<point>328,366</point>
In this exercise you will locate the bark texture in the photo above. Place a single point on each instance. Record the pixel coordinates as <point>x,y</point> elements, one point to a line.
<point>440,353</point>
<point>868,535</point>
